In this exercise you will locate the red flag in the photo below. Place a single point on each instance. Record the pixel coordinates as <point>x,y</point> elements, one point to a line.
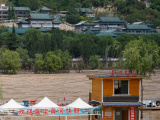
<point>64,97</point>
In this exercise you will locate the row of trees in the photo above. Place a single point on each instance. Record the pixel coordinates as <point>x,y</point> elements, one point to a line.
<point>12,61</point>
<point>35,45</point>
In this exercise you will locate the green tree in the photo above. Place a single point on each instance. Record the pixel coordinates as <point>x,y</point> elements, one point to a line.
<point>135,17</point>
<point>71,45</point>
<point>11,40</point>
<point>104,43</point>
<point>124,39</point>
<point>94,61</point>
<point>32,4</point>
<point>9,12</point>
<point>86,4</point>
<point>39,63</point>
<point>142,56</point>
<point>10,62</point>
<point>3,28</point>
<point>24,57</point>
<point>65,58</point>
<point>34,42</point>
<point>73,18</point>
<point>52,62</point>
<point>14,42</point>
<point>151,37</point>
<point>56,40</point>
<point>85,44</point>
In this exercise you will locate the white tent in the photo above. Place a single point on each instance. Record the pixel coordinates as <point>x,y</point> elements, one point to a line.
<point>79,103</point>
<point>12,105</point>
<point>45,103</point>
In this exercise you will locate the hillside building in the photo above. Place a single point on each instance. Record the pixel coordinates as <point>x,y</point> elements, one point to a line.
<point>108,23</point>
<point>85,12</point>
<point>3,12</point>
<point>21,12</point>
<point>45,10</point>
<point>138,29</point>
<point>37,20</point>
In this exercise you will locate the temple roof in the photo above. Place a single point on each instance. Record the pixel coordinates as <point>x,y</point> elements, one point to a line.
<point>40,16</point>
<point>110,19</point>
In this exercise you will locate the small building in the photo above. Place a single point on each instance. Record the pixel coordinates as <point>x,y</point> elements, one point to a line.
<point>85,25</point>
<point>85,12</point>
<point>56,24</point>
<point>108,23</point>
<point>113,33</point>
<point>61,15</point>
<point>37,20</point>
<point>21,11</point>
<point>3,12</point>
<point>118,94</point>
<point>45,10</point>
<point>138,29</point>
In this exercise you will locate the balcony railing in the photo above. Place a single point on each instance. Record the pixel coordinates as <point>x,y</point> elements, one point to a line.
<point>35,26</point>
<point>47,25</point>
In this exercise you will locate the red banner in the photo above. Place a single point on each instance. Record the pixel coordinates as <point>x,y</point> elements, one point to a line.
<point>120,73</point>
<point>132,113</point>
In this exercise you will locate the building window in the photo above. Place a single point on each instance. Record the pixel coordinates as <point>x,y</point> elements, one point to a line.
<point>121,87</point>
<point>34,23</point>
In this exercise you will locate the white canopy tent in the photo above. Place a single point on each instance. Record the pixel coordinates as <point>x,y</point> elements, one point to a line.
<point>11,105</point>
<point>79,103</point>
<point>45,103</point>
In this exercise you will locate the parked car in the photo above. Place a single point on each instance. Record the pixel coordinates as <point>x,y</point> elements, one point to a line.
<point>148,103</point>
<point>157,102</point>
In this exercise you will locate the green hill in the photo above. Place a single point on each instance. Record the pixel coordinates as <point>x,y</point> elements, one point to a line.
<point>130,10</point>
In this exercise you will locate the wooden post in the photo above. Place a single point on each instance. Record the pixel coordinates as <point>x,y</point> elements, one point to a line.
<point>141,98</point>
<point>90,99</point>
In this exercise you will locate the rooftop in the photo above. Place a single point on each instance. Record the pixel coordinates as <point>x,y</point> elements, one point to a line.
<point>90,32</point>
<point>135,26</point>
<point>90,24</point>
<point>22,8</point>
<point>116,76</point>
<point>84,10</point>
<point>110,19</point>
<point>39,16</point>
<point>106,34</point>
<point>19,30</point>
<point>81,22</point>
<point>42,29</point>
<point>122,104</point>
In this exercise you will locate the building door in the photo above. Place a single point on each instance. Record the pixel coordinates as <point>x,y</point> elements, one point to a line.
<point>121,113</point>
<point>118,114</point>
<point>124,114</point>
